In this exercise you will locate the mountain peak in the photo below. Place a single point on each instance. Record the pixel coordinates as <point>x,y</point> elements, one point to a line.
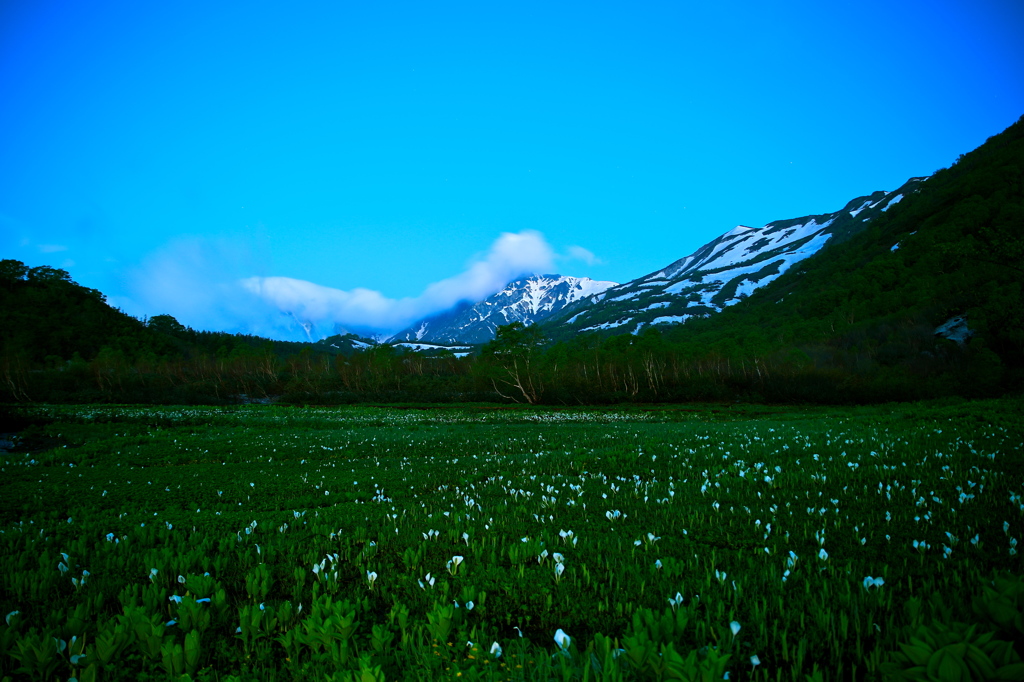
<point>527,299</point>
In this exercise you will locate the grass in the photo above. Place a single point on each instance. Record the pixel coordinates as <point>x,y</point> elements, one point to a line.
<point>646,534</point>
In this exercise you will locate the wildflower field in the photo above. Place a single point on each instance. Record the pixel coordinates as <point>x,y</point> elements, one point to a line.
<point>373,543</point>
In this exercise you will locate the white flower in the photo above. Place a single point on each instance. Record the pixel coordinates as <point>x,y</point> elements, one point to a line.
<point>870,582</point>
<point>453,564</point>
<point>657,564</point>
<point>755,661</point>
<point>823,555</point>
<point>496,650</point>
<point>371,576</point>
<point>9,615</point>
<point>561,639</point>
<point>735,627</point>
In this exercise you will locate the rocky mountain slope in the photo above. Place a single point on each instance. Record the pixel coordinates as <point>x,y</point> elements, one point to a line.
<point>528,300</point>
<point>723,271</point>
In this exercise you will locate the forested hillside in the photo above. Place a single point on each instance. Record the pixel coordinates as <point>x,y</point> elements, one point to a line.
<point>858,320</point>
<point>62,341</point>
<point>955,247</point>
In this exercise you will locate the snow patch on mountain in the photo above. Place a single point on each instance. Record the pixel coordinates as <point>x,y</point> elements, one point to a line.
<point>674,319</point>
<point>420,347</point>
<point>854,213</point>
<point>895,200</point>
<point>606,325</point>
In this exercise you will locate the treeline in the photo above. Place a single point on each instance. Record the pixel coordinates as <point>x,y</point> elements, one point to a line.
<point>61,342</point>
<point>518,367</point>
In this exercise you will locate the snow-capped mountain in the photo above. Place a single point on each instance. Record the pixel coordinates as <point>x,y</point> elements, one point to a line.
<point>723,271</point>
<point>527,300</point>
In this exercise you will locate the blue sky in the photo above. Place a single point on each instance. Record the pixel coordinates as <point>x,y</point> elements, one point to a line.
<point>366,163</point>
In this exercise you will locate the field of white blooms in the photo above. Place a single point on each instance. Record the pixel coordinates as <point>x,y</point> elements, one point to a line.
<point>373,543</point>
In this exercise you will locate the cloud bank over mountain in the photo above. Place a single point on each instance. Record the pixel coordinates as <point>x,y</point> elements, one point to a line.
<point>202,284</point>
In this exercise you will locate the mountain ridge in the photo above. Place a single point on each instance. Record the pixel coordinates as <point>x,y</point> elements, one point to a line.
<point>723,271</point>
<point>528,300</point>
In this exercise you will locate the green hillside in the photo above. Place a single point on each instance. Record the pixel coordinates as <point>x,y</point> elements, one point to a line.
<point>959,250</point>
<point>62,341</point>
<point>862,313</point>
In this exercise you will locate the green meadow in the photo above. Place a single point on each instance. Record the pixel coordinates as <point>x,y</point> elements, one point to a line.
<point>494,543</point>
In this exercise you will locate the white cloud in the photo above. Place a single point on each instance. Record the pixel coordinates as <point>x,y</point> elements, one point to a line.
<point>51,248</point>
<point>196,281</point>
<point>511,256</point>
<point>585,255</point>
<point>199,283</point>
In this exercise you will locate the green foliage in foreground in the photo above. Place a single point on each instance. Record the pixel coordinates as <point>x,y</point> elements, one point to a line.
<point>368,543</point>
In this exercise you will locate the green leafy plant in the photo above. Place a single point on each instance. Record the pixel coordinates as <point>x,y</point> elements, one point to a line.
<point>950,653</point>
